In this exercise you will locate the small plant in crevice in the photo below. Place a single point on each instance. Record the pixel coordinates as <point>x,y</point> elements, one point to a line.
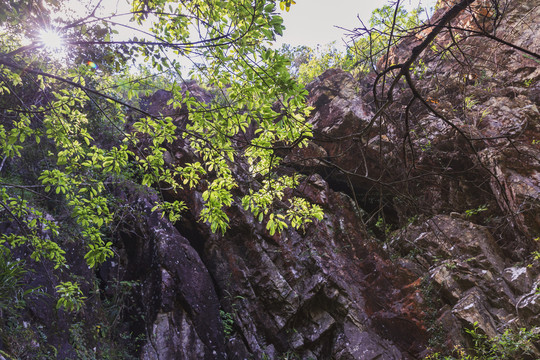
<point>383,226</point>
<point>535,254</point>
<point>527,82</point>
<point>450,265</point>
<point>71,296</point>
<point>424,142</point>
<point>469,102</point>
<point>227,320</point>
<point>432,306</point>
<point>471,212</point>
<point>413,219</point>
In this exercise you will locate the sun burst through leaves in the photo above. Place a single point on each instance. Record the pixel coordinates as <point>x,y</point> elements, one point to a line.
<point>51,39</point>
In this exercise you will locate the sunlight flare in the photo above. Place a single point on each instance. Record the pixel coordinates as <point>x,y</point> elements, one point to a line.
<point>51,39</point>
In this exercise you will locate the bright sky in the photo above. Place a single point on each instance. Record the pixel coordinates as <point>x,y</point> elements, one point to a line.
<point>312,22</point>
<point>309,22</point>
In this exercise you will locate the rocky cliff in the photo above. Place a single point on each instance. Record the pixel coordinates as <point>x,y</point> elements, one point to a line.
<point>429,222</point>
<point>428,229</point>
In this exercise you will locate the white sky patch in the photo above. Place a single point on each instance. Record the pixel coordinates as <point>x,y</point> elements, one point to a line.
<point>318,22</point>
<point>309,22</point>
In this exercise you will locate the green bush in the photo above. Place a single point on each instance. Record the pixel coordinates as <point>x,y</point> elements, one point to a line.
<point>12,292</point>
<point>512,344</point>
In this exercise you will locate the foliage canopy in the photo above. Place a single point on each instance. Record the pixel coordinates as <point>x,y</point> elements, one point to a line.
<point>64,119</point>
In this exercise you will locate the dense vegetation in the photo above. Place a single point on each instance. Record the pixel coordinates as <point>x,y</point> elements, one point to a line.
<point>65,141</point>
<point>64,137</point>
<point>64,134</point>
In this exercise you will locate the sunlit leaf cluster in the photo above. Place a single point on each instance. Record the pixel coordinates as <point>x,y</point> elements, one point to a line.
<point>84,127</point>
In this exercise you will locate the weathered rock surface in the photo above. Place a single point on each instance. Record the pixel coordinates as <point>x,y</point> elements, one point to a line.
<point>327,293</point>
<point>342,124</point>
<point>470,274</point>
<point>467,183</point>
<point>177,296</point>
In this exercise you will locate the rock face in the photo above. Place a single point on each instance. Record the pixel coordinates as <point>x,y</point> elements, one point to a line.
<point>456,197</point>
<point>472,279</point>
<point>327,293</point>
<point>177,297</point>
<point>428,228</point>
